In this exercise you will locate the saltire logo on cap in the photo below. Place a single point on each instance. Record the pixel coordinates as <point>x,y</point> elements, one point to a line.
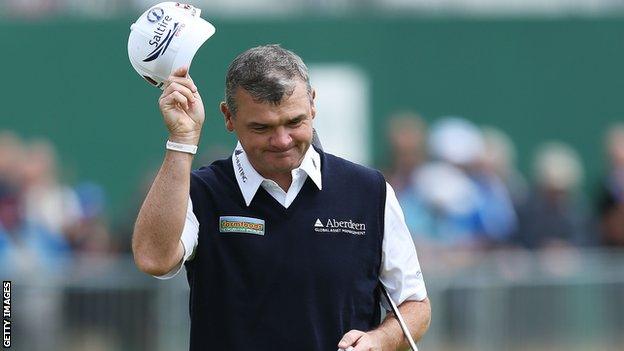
<point>237,224</point>
<point>155,14</point>
<point>162,47</point>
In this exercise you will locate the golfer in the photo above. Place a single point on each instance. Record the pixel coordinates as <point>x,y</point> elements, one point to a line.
<point>285,246</point>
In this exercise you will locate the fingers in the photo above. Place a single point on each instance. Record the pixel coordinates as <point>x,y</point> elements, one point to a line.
<point>181,76</point>
<point>180,72</point>
<point>175,98</point>
<point>350,339</point>
<point>186,82</point>
<point>176,87</point>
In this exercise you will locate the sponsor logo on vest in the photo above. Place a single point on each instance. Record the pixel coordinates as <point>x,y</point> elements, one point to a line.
<point>335,226</point>
<point>236,224</point>
<point>241,171</point>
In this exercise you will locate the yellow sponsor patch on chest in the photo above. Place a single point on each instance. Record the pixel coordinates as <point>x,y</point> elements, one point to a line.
<point>237,224</point>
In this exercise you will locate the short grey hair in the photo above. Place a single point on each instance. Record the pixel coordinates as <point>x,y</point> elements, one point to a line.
<point>267,73</point>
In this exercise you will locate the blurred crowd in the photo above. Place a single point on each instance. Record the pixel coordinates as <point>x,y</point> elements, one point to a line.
<point>460,189</point>
<point>43,221</point>
<point>457,183</point>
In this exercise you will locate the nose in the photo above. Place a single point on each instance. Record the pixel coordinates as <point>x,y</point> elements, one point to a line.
<point>281,140</point>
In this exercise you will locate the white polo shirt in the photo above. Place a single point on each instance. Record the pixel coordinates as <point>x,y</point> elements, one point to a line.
<point>400,270</point>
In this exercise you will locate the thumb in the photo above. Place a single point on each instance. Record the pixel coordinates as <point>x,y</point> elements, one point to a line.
<point>350,338</point>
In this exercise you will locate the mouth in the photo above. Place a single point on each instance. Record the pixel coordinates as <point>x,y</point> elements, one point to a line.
<point>279,152</point>
<point>279,155</point>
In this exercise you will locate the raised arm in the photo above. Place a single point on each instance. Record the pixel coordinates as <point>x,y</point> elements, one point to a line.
<point>156,239</point>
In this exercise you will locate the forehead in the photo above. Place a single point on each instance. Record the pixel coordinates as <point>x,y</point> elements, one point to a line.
<point>290,106</point>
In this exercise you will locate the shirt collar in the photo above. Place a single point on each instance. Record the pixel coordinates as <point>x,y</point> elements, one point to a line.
<point>249,180</point>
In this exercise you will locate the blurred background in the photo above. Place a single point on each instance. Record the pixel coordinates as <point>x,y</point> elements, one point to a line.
<point>498,123</point>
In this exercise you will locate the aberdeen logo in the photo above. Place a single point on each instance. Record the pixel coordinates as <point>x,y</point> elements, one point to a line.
<point>155,14</point>
<point>236,224</point>
<point>335,226</point>
<point>161,47</point>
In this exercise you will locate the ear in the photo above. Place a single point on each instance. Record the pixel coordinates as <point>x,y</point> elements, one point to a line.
<point>227,116</point>
<point>313,105</point>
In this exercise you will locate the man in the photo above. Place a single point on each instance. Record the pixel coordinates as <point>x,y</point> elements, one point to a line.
<point>284,245</point>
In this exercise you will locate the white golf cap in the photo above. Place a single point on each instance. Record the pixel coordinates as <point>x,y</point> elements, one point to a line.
<point>164,38</point>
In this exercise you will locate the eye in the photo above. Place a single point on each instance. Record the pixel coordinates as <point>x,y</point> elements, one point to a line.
<point>259,128</point>
<point>295,122</point>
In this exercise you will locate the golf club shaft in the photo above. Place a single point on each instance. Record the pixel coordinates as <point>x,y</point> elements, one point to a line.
<point>406,331</point>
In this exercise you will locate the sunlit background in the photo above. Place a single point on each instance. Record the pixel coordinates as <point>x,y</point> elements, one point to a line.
<point>498,123</point>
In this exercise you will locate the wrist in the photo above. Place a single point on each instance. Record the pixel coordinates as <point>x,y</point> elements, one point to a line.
<point>179,161</point>
<point>188,139</point>
<point>179,147</point>
<point>386,341</point>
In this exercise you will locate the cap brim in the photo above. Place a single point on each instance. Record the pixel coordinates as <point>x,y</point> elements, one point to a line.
<point>201,31</point>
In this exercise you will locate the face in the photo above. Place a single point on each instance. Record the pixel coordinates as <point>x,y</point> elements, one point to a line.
<point>275,137</point>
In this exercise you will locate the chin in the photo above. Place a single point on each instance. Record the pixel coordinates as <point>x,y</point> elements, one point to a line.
<point>283,164</point>
<point>286,166</point>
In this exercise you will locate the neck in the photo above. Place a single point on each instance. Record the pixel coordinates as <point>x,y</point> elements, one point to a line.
<point>283,180</point>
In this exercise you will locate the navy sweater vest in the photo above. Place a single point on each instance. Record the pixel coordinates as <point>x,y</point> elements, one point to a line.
<point>306,278</point>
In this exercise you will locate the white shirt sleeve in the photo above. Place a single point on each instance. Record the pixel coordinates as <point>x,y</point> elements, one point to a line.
<point>400,270</point>
<point>188,239</point>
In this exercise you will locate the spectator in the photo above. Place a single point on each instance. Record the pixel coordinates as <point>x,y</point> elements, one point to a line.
<point>457,199</point>
<point>406,135</point>
<point>10,155</point>
<point>496,211</point>
<point>32,236</point>
<point>611,198</point>
<point>48,204</point>
<point>500,159</point>
<point>442,206</point>
<point>43,221</point>
<point>439,206</point>
<point>90,234</point>
<point>554,214</point>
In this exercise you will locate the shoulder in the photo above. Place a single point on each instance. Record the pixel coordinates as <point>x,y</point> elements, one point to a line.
<point>212,182</point>
<point>218,169</point>
<point>337,165</point>
<point>218,176</point>
<point>350,176</point>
